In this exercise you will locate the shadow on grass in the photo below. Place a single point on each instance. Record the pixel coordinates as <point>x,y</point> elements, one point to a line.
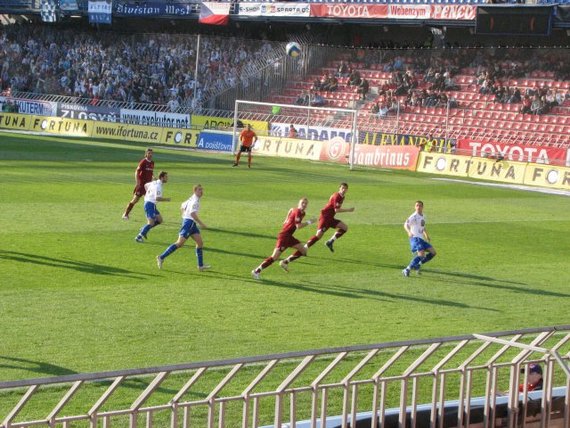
<point>245,234</point>
<point>70,264</point>
<point>44,369</point>
<point>488,282</point>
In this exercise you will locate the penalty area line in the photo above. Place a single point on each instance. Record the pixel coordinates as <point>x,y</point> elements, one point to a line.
<point>510,186</point>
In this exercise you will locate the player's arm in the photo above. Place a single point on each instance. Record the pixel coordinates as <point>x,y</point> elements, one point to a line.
<point>408,229</point>
<point>344,210</point>
<point>195,217</point>
<point>426,235</point>
<point>161,199</point>
<point>303,224</point>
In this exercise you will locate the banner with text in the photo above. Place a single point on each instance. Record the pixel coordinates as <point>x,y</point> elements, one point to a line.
<point>465,166</point>
<point>61,126</point>
<point>40,108</point>
<point>515,152</point>
<point>547,176</point>
<point>119,131</point>
<point>391,157</point>
<point>155,118</point>
<point>82,111</point>
<point>216,141</point>
<point>429,144</point>
<point>321,133</point>
<point>212,122</point>
<point>100,11</point>
<point>288,148</point>
<point>274,9</point>
<point>155,8</point>
<point>21,122</point>
<point>181,137</point>
<point>455,12</point>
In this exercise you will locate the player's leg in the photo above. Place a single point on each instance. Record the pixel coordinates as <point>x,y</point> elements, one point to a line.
<point>301,251</point>
<point>415,246</point>
<point>431,253</point>
<point>238,156</point>
<point>249,158</point>
<point>171,248</point>
<point>199,251</point>
<point>313,239</point>
<point>151,214</point>
<point>130,206</point>
<point>341,229</point>
<point>266,263</point>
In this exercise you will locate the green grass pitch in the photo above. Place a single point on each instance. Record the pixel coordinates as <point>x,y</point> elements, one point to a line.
<point>77,294</point>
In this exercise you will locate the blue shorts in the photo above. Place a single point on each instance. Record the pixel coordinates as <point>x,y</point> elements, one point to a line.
<point>188,228</point>
<point>150,210</point>
<point>418,244</point>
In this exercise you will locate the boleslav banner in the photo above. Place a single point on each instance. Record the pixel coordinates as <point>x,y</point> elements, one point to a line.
<point>391,157</point>
<point>515,152</point>
<point>455,12</point>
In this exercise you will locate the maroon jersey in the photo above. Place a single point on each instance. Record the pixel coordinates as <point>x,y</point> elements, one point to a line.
<point>334,203</point>
<point>294,217</point>
<point>144,171</point>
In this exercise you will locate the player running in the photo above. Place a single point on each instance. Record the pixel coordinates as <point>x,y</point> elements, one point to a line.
<point>326,221</point>
<point>153,194</point>
<point>247,139</point>
<point>419,240</point>
<point>285,239</point>
<point>143,175</point>
<point>189,210</point>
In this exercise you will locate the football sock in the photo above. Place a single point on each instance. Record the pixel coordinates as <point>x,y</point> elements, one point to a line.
<point>427,258</point>
<point>145,229</point>
<point>266,263</point>
<point>312,241</point>
<point>200,256</point>
<point>338,234</point>
<point>294,256</point>
<point>168,251</point>
<point>129,208</point>
<point>415,262</point>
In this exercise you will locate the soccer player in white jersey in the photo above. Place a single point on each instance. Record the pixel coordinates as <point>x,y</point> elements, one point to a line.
<point>189,229</point>
<point>152,196</point>
<point>415,227</point>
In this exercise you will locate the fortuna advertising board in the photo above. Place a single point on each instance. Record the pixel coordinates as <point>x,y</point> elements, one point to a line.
<point>454,12</point>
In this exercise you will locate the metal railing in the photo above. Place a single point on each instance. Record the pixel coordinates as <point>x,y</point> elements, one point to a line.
<point>322,387</point>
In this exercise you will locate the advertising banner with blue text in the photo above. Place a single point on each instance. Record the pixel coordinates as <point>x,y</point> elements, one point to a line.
<point>320,133</point>
<point>82,111</point>
<point>155,118</point>
<point>40,108</point>
<point>216,141</point>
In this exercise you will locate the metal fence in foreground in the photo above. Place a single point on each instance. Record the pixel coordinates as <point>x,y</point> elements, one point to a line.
<point>391,384</point>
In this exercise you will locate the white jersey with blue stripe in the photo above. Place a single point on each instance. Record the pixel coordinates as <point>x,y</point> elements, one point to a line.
<point>153,191</point>
<point>192,205</point>
<point>416,224</point>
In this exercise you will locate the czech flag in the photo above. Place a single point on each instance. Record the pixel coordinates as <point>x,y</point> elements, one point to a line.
<point>214,13</point>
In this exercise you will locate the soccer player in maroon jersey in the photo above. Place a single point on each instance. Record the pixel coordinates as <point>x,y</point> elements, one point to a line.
<point>143,175</point>
<point>326,221</point>
<point>285,239</point>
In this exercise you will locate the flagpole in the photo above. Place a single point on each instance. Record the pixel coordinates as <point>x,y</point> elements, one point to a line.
<point>196,72</point>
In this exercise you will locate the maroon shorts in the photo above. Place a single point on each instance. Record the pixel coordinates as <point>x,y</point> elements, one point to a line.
<point>327,223</point>
<point>139,190</point>
<point>286,241</point>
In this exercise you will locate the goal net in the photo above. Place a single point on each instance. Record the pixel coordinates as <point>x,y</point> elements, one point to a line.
<point>288,129</point>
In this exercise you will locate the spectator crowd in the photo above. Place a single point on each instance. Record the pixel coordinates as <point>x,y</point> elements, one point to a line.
<point>145,68</point>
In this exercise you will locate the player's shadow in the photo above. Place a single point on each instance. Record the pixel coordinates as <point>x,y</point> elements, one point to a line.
<point>48,370</point>
<point>487,282</point>
<point>244,234</point>
<point>38,367</point>
<point>79,266</point>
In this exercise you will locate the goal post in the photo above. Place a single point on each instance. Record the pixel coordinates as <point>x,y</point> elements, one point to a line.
<point>309,122</point>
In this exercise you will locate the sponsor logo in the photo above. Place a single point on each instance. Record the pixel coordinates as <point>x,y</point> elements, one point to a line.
<point>14,121</point>
<point>558,177</point>
<point>180,137</point>
<point>336,149</point>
